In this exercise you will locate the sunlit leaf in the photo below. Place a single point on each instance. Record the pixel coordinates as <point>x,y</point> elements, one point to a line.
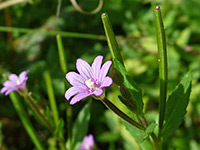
<point>176,106</point>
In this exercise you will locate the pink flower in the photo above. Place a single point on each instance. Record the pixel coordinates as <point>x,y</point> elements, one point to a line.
<point>89,81</point>
<point>15,83</point>
<point>88,143</point>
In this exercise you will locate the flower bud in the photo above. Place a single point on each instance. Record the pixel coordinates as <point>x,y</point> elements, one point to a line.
<point>117,76</point>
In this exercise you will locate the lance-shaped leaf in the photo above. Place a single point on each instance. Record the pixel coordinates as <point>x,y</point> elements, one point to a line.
<point>140,135</point>
<point>176,106</point>
<point>136,93</point>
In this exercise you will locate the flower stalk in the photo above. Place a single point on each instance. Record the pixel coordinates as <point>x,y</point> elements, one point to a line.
<point>162,61</point>
<point>122,115</point>
<point>36,110</point>
<point>51,96</point>
<point>25,120</point>
<point>63,66</point>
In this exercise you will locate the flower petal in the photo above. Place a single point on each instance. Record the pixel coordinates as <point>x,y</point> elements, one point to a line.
<point>74,78</point>
<point>84,69</point>
<point>88,143</point>
<point>22,85</point>
<point>13,77</point>
<point>9,83</point>
<point>4,89</point>
<point>98,92</point>
<point>79,97</point>
<point>96,66</point>
<point>107,81</point>
<point>104,70</point>
<point>72,91</point>
<point>8,91</point>
<point>23,75</point>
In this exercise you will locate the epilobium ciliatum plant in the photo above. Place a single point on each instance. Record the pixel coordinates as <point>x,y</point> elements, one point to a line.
<point>92,81</point>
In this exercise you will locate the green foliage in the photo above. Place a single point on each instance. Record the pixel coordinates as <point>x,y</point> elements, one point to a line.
<point>80,126</point>
<point>33,46</point>
<point>136,93</point>
<point>140,135</point>
<point>176,106</point>
<point>25,120</point>
<point>59,128</point>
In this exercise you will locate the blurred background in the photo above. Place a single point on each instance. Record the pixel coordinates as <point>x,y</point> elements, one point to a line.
<point>133,22</point>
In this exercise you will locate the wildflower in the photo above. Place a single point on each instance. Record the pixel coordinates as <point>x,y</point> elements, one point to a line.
<point>15,83</point>
<point>89,81</point>
<point>88,143</point>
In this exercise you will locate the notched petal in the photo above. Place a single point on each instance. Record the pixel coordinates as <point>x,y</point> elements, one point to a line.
<point>9,83</point>
<point>13,77</point>
<point>74,78</point>
<point>4,89</point>
<point>104,70</point>
<point>107,81</point>
<point>79,97</point>
<point>84,69</point>
<point>98,92</point>
<point>72,91</point>
<point>23,75</point>
<point>96,66</point>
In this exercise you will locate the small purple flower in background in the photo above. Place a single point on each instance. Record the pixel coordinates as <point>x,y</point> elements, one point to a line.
<point>15,83</point>
<point>89,81</point>
<point>88,143</point>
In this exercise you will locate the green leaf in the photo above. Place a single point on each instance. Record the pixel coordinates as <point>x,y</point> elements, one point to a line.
<point>176,106</point>
<point>140,135</point>
<point>150,129</point>
<point>137,134</point>
<point>48,116</point>
<point>80,126</point>
<point>136,93</point>
<point>59,128</point>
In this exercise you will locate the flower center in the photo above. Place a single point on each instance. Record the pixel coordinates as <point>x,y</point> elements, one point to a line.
<point>18,81</point>
<point>87,147</point>
<point>91,85</point>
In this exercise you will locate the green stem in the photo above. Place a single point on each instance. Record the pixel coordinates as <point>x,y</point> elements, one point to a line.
<point>25,120</point>
<point>38,113</point>
<point>69,125</point>
<point>61,53</point>
<point>111,39</point>
<point>63,66</point>
<point>51,96</point>
<point>53,33</point>
<point>122,115</point>
<point>162,60</point>
<point>155,139</point>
